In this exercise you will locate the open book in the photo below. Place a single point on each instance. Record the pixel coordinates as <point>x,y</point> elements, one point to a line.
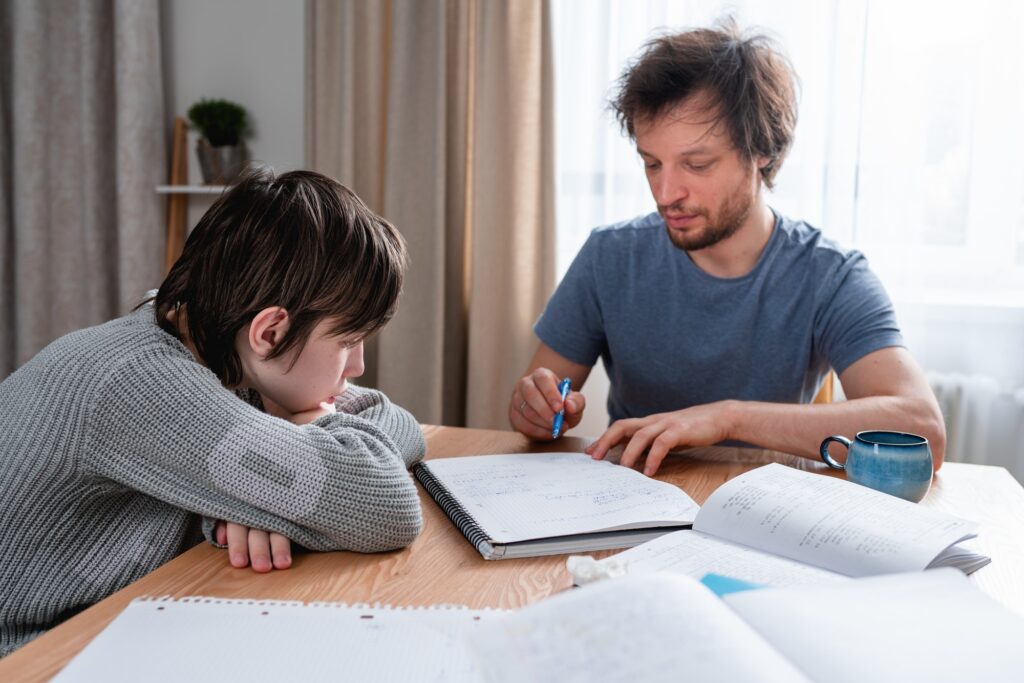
<point>530,504</point>
<point>779,526</point>
<point>924,626</point>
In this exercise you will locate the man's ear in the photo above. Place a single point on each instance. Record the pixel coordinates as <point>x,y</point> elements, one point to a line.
<point>267,330</point>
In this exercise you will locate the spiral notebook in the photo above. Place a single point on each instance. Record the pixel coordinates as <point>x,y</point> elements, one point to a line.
<point>532,504</point>
<point>215,639</point>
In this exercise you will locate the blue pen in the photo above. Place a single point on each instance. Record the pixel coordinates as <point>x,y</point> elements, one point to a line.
<point>563,389</point>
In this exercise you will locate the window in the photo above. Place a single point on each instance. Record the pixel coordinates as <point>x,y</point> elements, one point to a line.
<point>909,146</point>
<point>908,141</point>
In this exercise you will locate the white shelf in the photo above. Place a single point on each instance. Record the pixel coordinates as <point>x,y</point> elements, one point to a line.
<point>190,189</point>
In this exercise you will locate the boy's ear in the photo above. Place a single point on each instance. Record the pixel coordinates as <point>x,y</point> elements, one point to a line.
<point>267,329</point>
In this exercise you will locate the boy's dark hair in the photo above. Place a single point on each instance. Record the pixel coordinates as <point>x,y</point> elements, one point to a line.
<point>750,83</point>
<point>301,241</point>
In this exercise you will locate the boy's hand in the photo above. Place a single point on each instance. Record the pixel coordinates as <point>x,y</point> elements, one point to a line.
<point>265,550</point>
<point>303,418</point>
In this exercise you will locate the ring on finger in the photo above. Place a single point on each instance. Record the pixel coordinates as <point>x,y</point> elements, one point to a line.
<point>522,407</point>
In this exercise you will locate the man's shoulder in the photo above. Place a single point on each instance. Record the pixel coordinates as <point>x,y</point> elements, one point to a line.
<point>800,239</point>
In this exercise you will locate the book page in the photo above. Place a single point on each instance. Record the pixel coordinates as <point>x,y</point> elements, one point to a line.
<point>961,556</point>
<point>923,626</point>
<point>694,554</point>
<point>649,628</point>
<point>828,522</point>
<point>524,496</point>
<point>212,639</point>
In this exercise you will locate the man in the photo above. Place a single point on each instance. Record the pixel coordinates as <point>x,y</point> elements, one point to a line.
<point>717,318</point>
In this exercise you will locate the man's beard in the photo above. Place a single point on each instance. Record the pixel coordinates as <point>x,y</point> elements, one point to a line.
<point>731,216</point>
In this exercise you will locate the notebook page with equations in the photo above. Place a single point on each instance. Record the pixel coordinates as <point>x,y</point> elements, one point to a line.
<point>505,499</point>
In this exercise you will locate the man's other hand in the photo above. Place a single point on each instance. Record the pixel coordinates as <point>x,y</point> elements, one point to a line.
<point>703,425</point>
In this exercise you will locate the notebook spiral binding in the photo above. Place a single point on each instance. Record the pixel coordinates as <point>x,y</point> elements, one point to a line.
<point>211,600</point>
<point>455,511</point>
<point>319,604</point>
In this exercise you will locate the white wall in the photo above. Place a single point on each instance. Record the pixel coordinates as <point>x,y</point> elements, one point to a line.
<point>249,51</point>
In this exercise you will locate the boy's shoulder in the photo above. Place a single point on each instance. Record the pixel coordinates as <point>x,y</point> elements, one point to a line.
<point>101,348</point>
<point>134,330</point>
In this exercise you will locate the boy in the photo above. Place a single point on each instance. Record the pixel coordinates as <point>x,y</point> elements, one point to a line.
<point>224,397</point>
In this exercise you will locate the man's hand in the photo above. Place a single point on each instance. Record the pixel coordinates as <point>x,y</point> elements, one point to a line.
<point>535,401</point>
<point>703,425</point>
<point>265,550</point>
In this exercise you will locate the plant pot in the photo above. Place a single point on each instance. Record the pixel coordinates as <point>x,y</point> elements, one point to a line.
<point>221,165</point>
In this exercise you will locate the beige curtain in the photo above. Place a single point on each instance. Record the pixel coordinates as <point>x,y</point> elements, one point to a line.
<point>81,151</point>
<point>439,113</point>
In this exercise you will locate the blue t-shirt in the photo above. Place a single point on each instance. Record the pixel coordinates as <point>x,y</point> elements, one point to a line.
<point>672,336</point>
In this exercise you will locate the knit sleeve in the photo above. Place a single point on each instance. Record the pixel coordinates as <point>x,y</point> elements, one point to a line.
<point>166,427</point>
<point>394,420</point>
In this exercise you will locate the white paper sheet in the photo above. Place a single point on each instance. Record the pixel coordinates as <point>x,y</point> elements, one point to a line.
<point>197,639</point>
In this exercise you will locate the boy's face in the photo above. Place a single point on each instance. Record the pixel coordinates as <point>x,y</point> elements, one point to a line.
<point>318,375</point>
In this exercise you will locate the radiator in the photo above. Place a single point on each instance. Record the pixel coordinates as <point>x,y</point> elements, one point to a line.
<point>984,422</point>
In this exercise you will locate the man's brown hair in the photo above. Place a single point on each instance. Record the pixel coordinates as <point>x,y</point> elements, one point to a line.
<point>301,241</point>
<point>750,84</point>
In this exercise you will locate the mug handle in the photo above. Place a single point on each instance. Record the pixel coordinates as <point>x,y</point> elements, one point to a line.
<point>829,460</point>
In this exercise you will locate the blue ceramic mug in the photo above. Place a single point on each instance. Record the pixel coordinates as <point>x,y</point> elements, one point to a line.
<point>896,463</point>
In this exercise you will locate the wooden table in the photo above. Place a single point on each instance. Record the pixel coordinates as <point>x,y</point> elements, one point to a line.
<point>442,567</point>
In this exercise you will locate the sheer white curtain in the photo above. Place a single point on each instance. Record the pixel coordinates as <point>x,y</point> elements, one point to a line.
<point>907,148</point>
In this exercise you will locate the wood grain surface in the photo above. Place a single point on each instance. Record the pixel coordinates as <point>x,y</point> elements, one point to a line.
<point>442,567</point>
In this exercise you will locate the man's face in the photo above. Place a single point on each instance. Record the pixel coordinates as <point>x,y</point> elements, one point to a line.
<point>703,187</point>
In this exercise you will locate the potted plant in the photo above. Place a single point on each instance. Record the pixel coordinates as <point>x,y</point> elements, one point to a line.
<point>221,149</point>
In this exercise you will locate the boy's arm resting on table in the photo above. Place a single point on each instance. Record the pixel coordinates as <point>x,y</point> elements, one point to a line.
<point>885,390</point>
<point>396,421</point>
<point>339,483</point>
<point>268,550</point>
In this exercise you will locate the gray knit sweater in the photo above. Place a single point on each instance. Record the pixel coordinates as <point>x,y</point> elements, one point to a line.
<point>118,451</point>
